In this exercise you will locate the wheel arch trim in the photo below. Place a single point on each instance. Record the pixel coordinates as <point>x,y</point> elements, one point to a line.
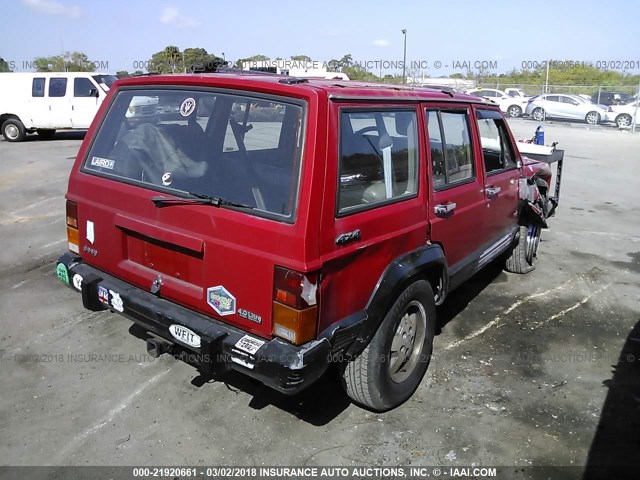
<point>426,263</point>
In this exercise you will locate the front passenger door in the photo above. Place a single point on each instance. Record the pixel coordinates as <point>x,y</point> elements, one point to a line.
<point>501,176</point>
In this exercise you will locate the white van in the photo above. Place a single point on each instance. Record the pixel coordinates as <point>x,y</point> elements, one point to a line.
<point>44,102</point>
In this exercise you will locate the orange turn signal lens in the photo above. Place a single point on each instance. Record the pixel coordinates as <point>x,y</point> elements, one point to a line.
<point>73,237</point>
<point>295,326</point>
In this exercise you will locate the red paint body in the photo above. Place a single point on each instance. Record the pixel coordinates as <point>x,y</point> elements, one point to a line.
<point>194,247</point>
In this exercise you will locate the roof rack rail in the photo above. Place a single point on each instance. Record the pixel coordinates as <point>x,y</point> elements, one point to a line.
<point>223,69</point>
<point>293,80</point>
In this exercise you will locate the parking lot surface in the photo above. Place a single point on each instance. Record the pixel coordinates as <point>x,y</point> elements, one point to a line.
<point>525,371</point>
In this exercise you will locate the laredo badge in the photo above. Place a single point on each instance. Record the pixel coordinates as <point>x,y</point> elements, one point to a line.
<point>221,300</point>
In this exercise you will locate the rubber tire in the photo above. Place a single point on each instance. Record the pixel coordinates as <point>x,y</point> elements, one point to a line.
<point>46,133</point>
<point>515,108</point>
<point>541,110</point>
<point>621,116</point>
<point>586,117</point>
<point>517,262</point>
<point>21,130</point>
<point>367,380</point>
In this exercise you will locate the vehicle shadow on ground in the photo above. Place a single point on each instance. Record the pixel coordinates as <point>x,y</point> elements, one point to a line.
<point>63,135</point>
<point>317,405</point>
<point>615,447</point>
<point>459,299</point>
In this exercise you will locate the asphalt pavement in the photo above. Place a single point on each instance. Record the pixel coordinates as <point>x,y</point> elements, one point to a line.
<point>527,369</point>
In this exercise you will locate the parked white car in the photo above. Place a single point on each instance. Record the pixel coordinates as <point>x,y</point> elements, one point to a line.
<point>44,102</point>
<point>622,115</point>
<point>513,106</point>
<point>564,106</point>
<point>516,93</point>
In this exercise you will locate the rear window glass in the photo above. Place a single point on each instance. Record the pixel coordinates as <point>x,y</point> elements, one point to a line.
<point>243,149</point>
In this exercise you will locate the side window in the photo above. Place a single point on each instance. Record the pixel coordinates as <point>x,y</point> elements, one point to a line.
<point>497,150</point>
<point>451,154</point>
<point>378,159</point>
<point>57,87</point>
<point>82,87</point>
<point>436,145</point>
<point>37,87</point>
<point>552,98</point>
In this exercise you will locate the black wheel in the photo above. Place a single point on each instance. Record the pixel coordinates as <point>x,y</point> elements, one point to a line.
<point>538,114</point>
<point>13,130</point>
<point>524,254</point>
<point>46,134</point>
<point>624,120</point>
<point>390,369</point>
<point>514,111</point>
<point>592,118</point>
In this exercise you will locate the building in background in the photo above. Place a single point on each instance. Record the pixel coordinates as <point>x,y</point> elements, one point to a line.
<point>294,68</point>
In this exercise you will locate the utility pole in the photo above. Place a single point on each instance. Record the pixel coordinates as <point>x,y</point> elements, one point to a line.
<point>404,56</point>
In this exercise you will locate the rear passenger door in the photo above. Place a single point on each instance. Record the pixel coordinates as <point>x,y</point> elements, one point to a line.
<point>379,212</point>
<point>500,180</point>
<point>456,197</point>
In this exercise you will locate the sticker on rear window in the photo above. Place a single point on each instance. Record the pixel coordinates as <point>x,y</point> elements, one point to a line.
<point>187,107</point>
<point>102,162</point>
<point>167,178</point>
<point>249,344</point>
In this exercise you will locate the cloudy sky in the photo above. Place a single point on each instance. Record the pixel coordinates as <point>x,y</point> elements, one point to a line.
<point>124,34</point>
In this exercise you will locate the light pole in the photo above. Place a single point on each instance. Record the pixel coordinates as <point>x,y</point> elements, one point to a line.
<point>404,56</point>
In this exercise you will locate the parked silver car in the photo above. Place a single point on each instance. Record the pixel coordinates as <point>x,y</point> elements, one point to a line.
<point>622,115</point>
<point>564,106</point>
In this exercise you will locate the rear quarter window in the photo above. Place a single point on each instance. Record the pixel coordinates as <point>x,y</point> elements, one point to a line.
<point>378,160</point>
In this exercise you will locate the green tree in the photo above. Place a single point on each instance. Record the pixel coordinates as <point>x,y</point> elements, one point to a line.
<point>68,62</point>
<point>122,74</point>
<point>172,60</point>
<point>301,58</point>
<point>4,66</point>
<point>254,58</point>
<point>168,60</point>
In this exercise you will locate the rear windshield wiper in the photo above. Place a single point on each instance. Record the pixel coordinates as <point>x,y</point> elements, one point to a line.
<point>199,199</point>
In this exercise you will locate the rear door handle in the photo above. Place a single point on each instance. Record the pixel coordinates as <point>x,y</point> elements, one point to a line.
<point>492,191</point>
<point>444,208</point>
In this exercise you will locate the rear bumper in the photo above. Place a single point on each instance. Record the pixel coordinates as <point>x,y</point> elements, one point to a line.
<point>280,365</point>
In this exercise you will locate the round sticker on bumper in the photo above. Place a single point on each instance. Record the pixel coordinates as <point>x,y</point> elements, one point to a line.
<point>62,272</point>
<point>77,281</point>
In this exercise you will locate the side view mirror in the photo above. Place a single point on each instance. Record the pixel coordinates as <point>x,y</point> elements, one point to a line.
<point>94,92</point>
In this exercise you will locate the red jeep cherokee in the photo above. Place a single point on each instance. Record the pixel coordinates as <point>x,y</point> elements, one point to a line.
<point>274,225</point>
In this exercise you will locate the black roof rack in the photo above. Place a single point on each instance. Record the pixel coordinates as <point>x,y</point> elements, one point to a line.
<point>293,80</point>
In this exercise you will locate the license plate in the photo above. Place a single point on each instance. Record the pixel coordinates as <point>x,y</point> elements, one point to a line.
<point>249,344</point>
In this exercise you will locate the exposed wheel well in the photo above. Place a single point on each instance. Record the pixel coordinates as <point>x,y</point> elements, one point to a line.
<point>6,116</point>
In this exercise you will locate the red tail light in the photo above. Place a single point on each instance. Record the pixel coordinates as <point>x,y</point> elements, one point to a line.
<point>295,313</point>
